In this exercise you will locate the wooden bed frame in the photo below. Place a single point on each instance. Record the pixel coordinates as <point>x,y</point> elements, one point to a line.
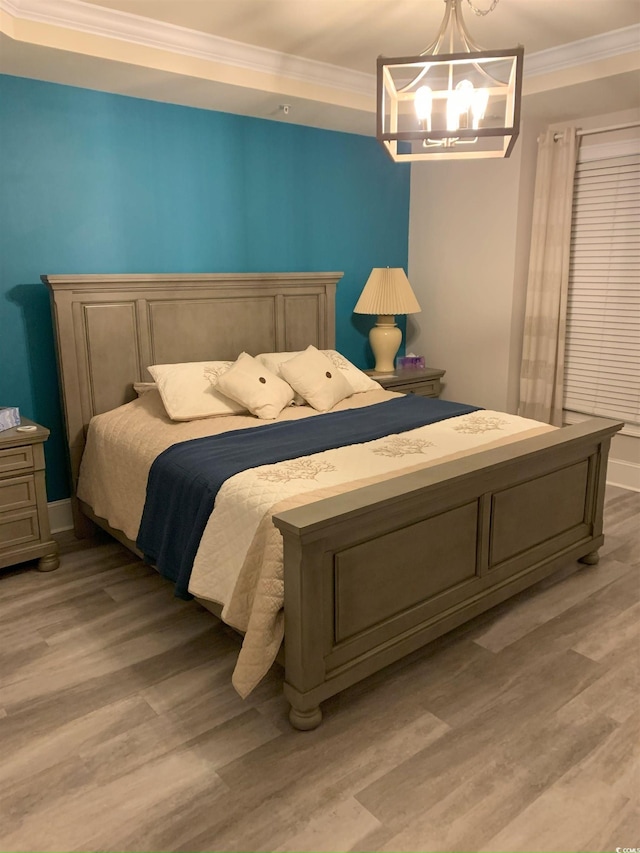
<point>372,574</point>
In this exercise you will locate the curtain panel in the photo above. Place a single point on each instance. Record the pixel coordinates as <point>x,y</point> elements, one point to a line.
<point>541,377</point>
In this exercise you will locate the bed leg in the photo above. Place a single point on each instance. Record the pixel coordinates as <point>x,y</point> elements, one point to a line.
<point>591,559</point>
<point>305,721</point>
<point>83,527</point>
<point>50,562</point>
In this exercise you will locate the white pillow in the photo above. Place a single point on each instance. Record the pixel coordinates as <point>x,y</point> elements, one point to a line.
<point>262,392</point>
<point>315,377</point>
<point>143,387</point>
<point>273,362</point>
<point>358,380</point>
<point>188,390</point>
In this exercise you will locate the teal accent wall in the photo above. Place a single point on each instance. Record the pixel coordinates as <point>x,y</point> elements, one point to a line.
<point>98,183</point>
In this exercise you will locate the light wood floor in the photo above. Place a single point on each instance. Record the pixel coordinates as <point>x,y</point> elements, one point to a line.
<point>119,730</point>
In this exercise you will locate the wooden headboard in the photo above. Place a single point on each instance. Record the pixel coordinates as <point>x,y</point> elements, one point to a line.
<point>109,328</point>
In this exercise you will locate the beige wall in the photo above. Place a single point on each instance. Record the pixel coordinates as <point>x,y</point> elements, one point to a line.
<point>468,258</point>
<point>469,232</point>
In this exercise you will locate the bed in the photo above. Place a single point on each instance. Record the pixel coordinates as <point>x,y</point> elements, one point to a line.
<point>373,573</point>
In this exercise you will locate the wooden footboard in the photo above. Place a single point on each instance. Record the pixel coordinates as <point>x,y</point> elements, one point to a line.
<point>373,574</point>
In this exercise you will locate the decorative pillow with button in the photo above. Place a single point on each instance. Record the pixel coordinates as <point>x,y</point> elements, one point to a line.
<point>250,383</point>
<point>273,361</point>
<point>189,392</point>
<point>314,376</point>
<point>358,380</point>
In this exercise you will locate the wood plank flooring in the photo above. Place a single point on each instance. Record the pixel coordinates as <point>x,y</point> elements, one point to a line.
<point>120,731</point>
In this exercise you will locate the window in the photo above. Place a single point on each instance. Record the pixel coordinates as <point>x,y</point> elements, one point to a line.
<point>602,357</point>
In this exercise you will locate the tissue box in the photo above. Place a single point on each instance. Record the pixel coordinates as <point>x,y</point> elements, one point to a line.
<point>9,417</point>
<point>409,361</point>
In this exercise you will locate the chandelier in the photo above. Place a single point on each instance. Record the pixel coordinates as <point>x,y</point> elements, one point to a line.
<point>459,105</point>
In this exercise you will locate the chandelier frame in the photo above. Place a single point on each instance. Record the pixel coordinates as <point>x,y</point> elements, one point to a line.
<point>398,129</point>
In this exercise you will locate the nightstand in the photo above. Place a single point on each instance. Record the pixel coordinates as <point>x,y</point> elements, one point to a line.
<point>424,381</point>
<point>24,518</point>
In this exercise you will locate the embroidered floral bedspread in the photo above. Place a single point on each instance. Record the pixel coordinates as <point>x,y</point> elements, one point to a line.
<point>185,479</point>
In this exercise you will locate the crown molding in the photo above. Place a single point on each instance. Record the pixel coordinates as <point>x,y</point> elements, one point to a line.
<point>602,46</point>
<point>137,30</point>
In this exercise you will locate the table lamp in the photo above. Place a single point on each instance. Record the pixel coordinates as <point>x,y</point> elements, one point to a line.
<point>386,293</point>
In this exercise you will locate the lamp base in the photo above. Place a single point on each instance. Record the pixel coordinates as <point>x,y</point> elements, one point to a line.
<point>385,339</point>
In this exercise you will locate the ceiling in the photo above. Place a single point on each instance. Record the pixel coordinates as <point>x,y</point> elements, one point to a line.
<point>317,57</point>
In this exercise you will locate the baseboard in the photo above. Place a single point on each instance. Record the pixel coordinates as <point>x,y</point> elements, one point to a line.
<point>626,475</point>
<point>60,517</point>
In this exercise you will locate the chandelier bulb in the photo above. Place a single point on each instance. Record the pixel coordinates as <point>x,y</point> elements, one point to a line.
<point>423,104</point>
<point>465,95</point>
<point>479,105</point>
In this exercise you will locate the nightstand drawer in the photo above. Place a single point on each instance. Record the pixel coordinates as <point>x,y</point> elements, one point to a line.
<point>24,519</point>
<point>18,528</point>
<point>424,381</point>
<point>424,389</point>
<point>17,493</point>
<point>16,459</point>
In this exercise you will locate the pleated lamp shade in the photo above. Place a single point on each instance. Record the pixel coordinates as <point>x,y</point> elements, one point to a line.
<point>386,293</point>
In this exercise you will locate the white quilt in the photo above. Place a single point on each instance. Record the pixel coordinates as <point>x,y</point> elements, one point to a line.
<point>239,561</point>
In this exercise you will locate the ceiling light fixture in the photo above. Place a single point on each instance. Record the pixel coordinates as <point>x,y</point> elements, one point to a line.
<point>459,105</point>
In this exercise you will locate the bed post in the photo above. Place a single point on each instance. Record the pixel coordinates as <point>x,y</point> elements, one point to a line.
<point>593,557</point>
<point>303,598</point>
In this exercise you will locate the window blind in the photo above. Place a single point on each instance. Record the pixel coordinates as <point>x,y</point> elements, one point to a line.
<point>602,356</point>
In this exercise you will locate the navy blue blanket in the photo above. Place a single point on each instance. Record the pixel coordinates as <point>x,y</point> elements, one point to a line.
<point>185,479</point>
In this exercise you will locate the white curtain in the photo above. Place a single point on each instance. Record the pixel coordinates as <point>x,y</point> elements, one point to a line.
<point>541,377</point>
